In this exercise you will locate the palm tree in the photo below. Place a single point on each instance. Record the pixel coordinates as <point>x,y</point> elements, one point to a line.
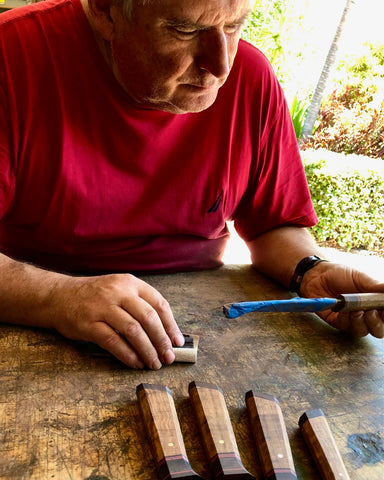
<point>314,108</point>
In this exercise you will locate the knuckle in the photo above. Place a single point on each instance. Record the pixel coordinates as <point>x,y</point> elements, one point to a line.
<point>132,330</point>
<point>111,341</point>
<point>162,306</point>
<point>150,317</point>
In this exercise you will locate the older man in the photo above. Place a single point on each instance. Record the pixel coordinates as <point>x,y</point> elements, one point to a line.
<point>130,132</point>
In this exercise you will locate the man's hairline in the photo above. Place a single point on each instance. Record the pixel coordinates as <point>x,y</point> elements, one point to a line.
<point>127,6</point>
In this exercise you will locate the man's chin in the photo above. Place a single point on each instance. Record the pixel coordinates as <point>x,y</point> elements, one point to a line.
<point>195,103</point>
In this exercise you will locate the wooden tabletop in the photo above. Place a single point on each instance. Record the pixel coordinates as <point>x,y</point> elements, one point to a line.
<point>66,414</point>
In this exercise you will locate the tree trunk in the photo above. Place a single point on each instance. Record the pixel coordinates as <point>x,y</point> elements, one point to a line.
<point>314,108</point>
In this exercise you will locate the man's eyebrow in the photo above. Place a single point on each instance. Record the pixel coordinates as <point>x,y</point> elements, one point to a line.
<point>187,24</point>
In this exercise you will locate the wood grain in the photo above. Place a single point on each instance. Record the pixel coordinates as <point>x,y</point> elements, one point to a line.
<point>66,414</point>
<point>319,439</point>
<point>216,431</point>
<point>272,443</point>
<point>163,430</point>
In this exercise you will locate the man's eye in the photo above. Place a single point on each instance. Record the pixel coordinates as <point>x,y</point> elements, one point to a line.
<point>233,28</point>
<point>185,33</point>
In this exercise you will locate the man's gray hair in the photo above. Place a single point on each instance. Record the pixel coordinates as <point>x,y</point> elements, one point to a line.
<point>127,5</point>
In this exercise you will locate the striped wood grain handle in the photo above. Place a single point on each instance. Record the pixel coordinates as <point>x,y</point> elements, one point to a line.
<point>163,429</point>
<point>271,437</point>
<point>319,439</point>
<point>216,431</point>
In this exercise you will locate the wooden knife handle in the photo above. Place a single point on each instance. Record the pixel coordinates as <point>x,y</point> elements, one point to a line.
<point>216,431</point>
<point>350,302</point>
<point>271,437</point>
<point>319,439</point>
<point>163,429</point>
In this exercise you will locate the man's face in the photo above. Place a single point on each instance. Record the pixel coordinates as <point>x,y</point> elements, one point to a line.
<point>174,55</point>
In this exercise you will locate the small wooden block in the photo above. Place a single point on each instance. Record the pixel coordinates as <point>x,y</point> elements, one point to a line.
<point>188,352</point>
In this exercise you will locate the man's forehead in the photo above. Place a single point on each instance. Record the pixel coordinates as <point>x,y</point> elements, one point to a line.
<point>204,12</point>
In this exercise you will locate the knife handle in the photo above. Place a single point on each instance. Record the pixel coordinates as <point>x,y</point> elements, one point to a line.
<point>319,439</point>
<point>272,443</point>
<point>349,302</point>
<point>163,429</point>
<point>216,431</point>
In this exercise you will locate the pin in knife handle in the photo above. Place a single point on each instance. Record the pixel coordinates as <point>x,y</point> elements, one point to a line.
<point>319,439</point>
<point>216,431</point>
<point>269,432</point>
<point>163,429</point>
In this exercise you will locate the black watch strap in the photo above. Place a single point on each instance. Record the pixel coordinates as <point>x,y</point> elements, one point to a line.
<point>302,267</point>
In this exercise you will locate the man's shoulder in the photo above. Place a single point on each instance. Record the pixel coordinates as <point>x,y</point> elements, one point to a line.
<point>251,56</point>
<point>32,11</point>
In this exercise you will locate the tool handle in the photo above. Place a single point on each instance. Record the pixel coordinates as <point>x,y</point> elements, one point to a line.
<point>319,439</point>
<point>216,431</point>
<point>269,432</point>
<point>163,429</point>
<point>350,302</point>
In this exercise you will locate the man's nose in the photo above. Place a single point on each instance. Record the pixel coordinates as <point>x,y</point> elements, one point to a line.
<point>213,53</point>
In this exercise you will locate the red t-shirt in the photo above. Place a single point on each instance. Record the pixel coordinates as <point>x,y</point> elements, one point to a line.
<point>91,182</point>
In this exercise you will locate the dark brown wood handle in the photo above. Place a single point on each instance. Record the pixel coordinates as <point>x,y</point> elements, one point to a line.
<point>319,439</point>
<point>216,431</point>
<point>271,437</point>
<point>163,429</point>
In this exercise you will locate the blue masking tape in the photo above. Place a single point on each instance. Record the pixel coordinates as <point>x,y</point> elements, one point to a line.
<point>297,304</point>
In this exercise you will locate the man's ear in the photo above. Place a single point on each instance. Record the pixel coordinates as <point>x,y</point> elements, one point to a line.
<point>100,13</point>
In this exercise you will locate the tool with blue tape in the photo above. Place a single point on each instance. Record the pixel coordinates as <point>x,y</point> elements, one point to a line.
<point>343,303</point>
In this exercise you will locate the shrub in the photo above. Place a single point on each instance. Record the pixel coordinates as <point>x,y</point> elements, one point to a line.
<point>348,195</point>
<point>351,122</point>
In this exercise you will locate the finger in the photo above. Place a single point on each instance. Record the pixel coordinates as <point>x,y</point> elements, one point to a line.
<point>146,333</point>
<point>163,310</point>
<point>108,339</point>
<point>375,323</point>
<point>358,327</point>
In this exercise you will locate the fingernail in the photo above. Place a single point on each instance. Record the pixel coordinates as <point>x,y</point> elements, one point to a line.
<point>169,357</point>
<point>156,365</point>
<point>179,340</point>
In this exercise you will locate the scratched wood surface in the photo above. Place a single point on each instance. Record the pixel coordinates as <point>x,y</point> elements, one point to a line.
<point>65,414</point>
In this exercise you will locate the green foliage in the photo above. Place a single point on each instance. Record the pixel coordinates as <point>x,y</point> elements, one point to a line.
<point>299,109</point>
<point>351,122</point>
<point>264,29</point>
<point>272,27</point>
<point>348,199</point>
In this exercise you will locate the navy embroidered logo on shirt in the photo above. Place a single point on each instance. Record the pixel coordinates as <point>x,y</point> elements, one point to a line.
<point>217,203</point>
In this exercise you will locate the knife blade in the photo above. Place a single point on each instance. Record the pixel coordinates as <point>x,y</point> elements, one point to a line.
<point>346,302</point>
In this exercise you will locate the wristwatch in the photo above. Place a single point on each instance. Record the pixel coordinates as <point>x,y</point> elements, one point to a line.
<point>302,267</point>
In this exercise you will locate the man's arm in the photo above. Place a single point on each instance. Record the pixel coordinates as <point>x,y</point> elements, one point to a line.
<point>277,253</point>
<point>119,312</point>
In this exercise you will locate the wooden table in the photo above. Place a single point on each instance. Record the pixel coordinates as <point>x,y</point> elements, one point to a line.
<point>65,414</point>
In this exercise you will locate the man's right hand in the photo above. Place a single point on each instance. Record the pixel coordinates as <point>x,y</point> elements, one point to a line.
<point>122,314</point>
<point>119,312</point>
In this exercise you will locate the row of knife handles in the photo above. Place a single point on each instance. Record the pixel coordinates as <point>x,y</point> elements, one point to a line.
<point>268,428</point>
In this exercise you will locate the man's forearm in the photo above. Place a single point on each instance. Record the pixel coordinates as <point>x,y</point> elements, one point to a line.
<point>277,252</point>
<point>26,292</point>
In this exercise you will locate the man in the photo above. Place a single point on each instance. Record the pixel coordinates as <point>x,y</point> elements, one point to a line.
<point>129,133</point>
